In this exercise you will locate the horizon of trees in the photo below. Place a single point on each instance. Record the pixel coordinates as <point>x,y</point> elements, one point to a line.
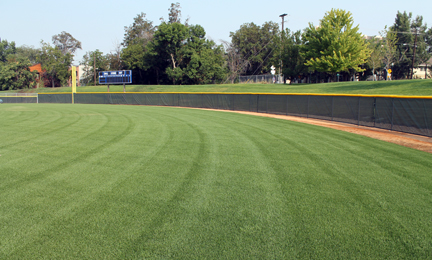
<point>176,52</point>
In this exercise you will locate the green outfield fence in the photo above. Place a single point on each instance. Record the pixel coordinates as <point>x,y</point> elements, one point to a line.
<point>410,114</point>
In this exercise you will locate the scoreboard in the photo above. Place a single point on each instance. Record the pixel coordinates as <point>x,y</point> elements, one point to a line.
<point>115,77</point>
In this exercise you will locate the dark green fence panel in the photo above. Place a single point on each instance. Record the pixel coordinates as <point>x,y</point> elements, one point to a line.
<point>55,98</point>
<point>297,105</point>
<point>384,113</point>
<point>225,101</point>
<point>410,116</point>
<point>19,99</point>
<point>320,107</point>
<point>276,104</point>
<point>245,102</point>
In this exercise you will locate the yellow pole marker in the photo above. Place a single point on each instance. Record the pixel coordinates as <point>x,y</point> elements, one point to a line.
<point>73,82</point>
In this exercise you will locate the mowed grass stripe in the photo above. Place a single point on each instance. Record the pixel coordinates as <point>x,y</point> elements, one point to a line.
<point>157,182</point>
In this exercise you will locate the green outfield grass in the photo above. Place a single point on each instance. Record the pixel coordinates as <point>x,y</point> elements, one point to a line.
<point>126,182</point>
<point>399,87</point>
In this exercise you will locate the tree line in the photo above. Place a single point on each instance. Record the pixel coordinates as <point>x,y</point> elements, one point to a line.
<point>176,52</point>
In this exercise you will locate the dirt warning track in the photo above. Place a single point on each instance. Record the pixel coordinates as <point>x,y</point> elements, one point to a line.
<point>418,142</point>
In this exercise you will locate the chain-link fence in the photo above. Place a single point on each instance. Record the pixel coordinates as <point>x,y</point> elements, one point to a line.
<point>261,79</point>
<point>19,97</point>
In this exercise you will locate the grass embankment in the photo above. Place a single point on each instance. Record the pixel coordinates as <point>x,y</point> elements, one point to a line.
<point>100,182</point>
<point>400,87</point>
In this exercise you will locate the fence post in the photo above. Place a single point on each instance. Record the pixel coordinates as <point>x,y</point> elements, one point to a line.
<point>374,112</point>
<point>332,108</point>
<point>358,116</point>
<point>257,108</point>
<point>392,114</point>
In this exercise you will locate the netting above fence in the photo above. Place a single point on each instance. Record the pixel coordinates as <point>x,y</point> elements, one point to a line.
<point>19,97</point>
<point>411,115</point>
<point>261,79</point>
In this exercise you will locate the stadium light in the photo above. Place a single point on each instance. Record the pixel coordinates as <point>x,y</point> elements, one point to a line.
<point>283,16</point>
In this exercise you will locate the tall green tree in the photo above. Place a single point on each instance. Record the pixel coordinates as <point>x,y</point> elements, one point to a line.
<point>203,60</point>
<point>388,47</point>
<point>15,74</point>
<point>28,52</point>
<point>288,50</point>
<point>422,52</point>
<point>6,49</point>
<point>139,32</point>
<point>66,43</point>
<point>168,45</point>
<point>404,45</point>
<point>185,56</point>
<point>56,64</point>
<point>136,38</point>
<point>255,46</point>
<point>376,58</point>
<point>14,68</point>
<point>94,62</point>
<point>336,45</point>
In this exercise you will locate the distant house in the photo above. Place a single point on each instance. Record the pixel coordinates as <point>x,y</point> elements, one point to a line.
<point>78,76</point>
<point>46,83</point>
<point>40,74</point>
<point>423,71</point>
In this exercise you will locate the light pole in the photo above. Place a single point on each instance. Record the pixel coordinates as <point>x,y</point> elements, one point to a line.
<point>280,54</point>
<point>282,16</point>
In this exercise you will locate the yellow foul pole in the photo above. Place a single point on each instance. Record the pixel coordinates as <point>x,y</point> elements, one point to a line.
<point>73,82</point>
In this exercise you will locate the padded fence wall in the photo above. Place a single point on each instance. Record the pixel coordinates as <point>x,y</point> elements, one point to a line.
<point>55,98</point>
<point>411,115</point>
<point>19,99</point>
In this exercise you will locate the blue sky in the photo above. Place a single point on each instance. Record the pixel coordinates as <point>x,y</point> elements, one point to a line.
<point>100,24</point>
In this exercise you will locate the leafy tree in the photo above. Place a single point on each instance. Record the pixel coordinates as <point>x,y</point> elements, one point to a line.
<point>56,64</point>
<point>185,55</point>
<point>421,43</point>
<point>94,62</point>
<point>134,58</point>
<point>375,61</point>
<point>28,52</point>
<point>15,74</point>
<point>139,32</point>
<point>388,47</point>
<point>174,15</point>
<point>167,45</point>
<point>14,69</point>
<point>234,63</point>
<point>335,45</point>
<point>404,44</point>
<point>288,46</point>
<point>254,44</point>
<point>203,60</point>
<point>6,49</point>
<point>66,43</point>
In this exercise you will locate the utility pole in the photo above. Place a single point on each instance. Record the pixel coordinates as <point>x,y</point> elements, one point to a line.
<point>94,67</point>
<point>280,54</point>
<point>415,45</point>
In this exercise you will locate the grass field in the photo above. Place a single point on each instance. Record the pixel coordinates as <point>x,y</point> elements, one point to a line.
<point>126,182</point>
<point>399,87</point>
